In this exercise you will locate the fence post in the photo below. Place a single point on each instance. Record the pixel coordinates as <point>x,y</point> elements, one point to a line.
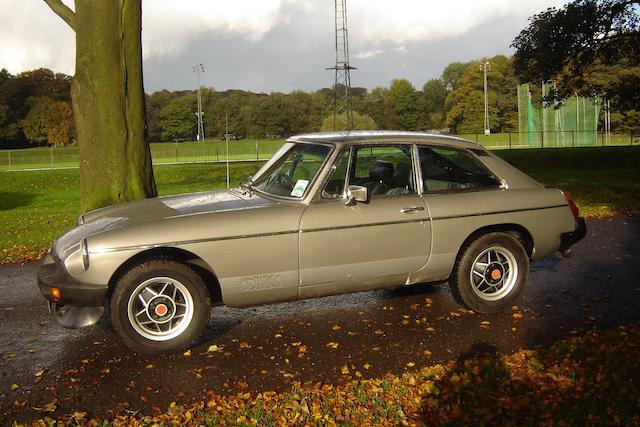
<point>215,144</point>
<point>542,140</point>
<point>509,140</point>
<point>11,165</point>
<point>573,138</point>
<point>257,151</point>
<point>175,149</point>
<point>51,155</point>
<point>630,143</point>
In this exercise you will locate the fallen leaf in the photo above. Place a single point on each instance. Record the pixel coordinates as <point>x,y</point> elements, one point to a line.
<point>366,366</point>
<point>14,387</point>
<point>214,349</point>
<point>278,335</point>
<point>345,370</point>
<point>39,373</point>
<point>411,364</point>
<point>150,366</point>
<point>333,345</point>
<point>517,315</point>
<point>335,328</point>
<point>187,353</point>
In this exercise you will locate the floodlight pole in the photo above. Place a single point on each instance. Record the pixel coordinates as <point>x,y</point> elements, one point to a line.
<point>485,66</point>
<point>199,68</point>
<point>226,137</point>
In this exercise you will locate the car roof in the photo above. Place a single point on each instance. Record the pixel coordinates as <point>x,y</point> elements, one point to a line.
<point>377,136</point>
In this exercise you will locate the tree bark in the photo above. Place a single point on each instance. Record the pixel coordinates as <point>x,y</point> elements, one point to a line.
<point>108,102</point>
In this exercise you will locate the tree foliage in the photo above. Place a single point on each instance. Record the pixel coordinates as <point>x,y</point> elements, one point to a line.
<point>465,104</point>
<point>360,122</point>
<point>566,44</point>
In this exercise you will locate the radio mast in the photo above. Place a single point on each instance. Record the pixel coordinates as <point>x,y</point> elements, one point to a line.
<point>342,69</point>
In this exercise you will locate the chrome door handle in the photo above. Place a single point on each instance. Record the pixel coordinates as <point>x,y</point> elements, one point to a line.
<point>412,209</point>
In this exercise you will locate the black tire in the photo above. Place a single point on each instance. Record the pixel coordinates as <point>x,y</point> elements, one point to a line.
<point>492,288</point>
<point>171,320</point>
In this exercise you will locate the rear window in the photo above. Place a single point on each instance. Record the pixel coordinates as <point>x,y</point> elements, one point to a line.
<point>449,169</point>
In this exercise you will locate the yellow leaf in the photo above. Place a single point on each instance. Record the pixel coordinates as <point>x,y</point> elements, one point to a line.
<point>39,373</point>
<point>517,315</point>
<point>333,345</point>
<point>149,366</point>
<point>14,387</point>
<point>485,322</point>
<point>296,344</point>
<point>366,366</point>
<point>345,370</point>
<point>335,328</point>
<point>187,353</point>
<point>278,335</point>
<point>411,364</point>
<point>214,349</point>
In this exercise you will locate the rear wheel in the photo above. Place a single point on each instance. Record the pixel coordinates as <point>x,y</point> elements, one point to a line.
<point>160,306</point>
<point>490,273</point>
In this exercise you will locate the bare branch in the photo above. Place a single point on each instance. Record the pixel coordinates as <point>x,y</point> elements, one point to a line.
<point>63,11</point>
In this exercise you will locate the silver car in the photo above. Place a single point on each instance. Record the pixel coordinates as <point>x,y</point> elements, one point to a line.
<point>328,213</point>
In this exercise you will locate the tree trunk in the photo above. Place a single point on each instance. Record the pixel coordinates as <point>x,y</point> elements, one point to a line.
<point>108,102</point>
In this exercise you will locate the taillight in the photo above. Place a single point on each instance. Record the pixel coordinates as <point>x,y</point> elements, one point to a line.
<point>572,205</point>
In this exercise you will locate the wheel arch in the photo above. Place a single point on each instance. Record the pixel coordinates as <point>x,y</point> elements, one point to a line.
<point>516,230</point>
<point>200,266</point>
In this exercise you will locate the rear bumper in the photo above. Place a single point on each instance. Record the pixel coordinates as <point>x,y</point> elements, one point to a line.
<point>72,292</point>
<point>569,239</point>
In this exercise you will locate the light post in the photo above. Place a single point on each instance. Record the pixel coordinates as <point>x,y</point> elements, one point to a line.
<point>485,67</point>
<point>199,68</point>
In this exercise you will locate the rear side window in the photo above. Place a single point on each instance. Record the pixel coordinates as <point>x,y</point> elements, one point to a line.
<point>448,169</point>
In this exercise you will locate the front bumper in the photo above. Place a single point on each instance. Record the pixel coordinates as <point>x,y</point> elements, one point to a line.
<point>569,239</point>
<point>72,292</point>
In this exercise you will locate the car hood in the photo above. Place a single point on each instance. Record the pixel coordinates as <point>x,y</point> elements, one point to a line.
<point>126,215</point>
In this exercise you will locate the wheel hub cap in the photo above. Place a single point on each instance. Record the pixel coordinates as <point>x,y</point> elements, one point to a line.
<point>494,273</point>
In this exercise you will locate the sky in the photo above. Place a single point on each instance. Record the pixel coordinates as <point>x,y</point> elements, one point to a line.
<point>281,45</point>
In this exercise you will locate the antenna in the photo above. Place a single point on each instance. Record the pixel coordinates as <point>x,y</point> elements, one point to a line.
<point>341,94</point>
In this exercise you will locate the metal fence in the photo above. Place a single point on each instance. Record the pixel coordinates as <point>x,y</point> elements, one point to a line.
<point>262,149</point>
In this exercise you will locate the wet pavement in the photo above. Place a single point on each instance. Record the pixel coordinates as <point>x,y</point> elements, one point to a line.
<point>44,367</point>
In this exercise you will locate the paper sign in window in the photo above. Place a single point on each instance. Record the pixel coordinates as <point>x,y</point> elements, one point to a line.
<point>298,189</point>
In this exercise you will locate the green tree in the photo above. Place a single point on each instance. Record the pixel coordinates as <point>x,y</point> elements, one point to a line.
<point>360,122</point>
<point>465,104</point>
<point>401,102</point>
<point>564,44</point>
<point>177,119</point>
<point>108,101</point>
<point>452,74</point>
<point>434,93</point>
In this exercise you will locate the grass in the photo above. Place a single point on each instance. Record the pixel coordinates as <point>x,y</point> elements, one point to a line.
<point>38,206</point>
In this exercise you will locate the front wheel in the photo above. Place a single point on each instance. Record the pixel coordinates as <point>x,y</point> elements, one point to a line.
<point>160,306</point>
<point>490,273</point>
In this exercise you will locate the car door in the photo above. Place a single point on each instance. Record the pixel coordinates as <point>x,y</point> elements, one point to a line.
<point>347,247</point>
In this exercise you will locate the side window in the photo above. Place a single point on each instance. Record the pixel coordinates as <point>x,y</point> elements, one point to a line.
<point>335,185</point>
<point>384,170</point>
<point>448,169</point>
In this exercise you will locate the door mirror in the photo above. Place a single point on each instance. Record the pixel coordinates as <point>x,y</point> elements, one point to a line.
<point>357,193</point>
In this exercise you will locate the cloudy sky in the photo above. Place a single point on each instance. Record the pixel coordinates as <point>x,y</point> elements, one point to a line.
<point>281,45</point>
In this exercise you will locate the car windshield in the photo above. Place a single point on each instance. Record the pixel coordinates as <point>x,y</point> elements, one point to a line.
<point>291,169</point>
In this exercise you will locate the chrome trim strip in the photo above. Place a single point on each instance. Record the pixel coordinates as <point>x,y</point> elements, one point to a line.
<point>372,224</point>
<point>496,212</point>
<point>191,242</point>
<point>314,230</point>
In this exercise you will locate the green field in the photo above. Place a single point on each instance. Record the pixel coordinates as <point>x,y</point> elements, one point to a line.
<point>38,206</point>
<point>261,149</point>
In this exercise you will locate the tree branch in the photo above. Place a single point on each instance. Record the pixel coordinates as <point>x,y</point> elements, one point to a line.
<point>63,11</point>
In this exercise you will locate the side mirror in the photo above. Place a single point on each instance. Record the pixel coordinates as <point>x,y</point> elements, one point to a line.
<point>356,193</point>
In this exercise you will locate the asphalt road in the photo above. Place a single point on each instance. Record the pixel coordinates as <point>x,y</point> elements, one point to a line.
<point>44,367</point>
